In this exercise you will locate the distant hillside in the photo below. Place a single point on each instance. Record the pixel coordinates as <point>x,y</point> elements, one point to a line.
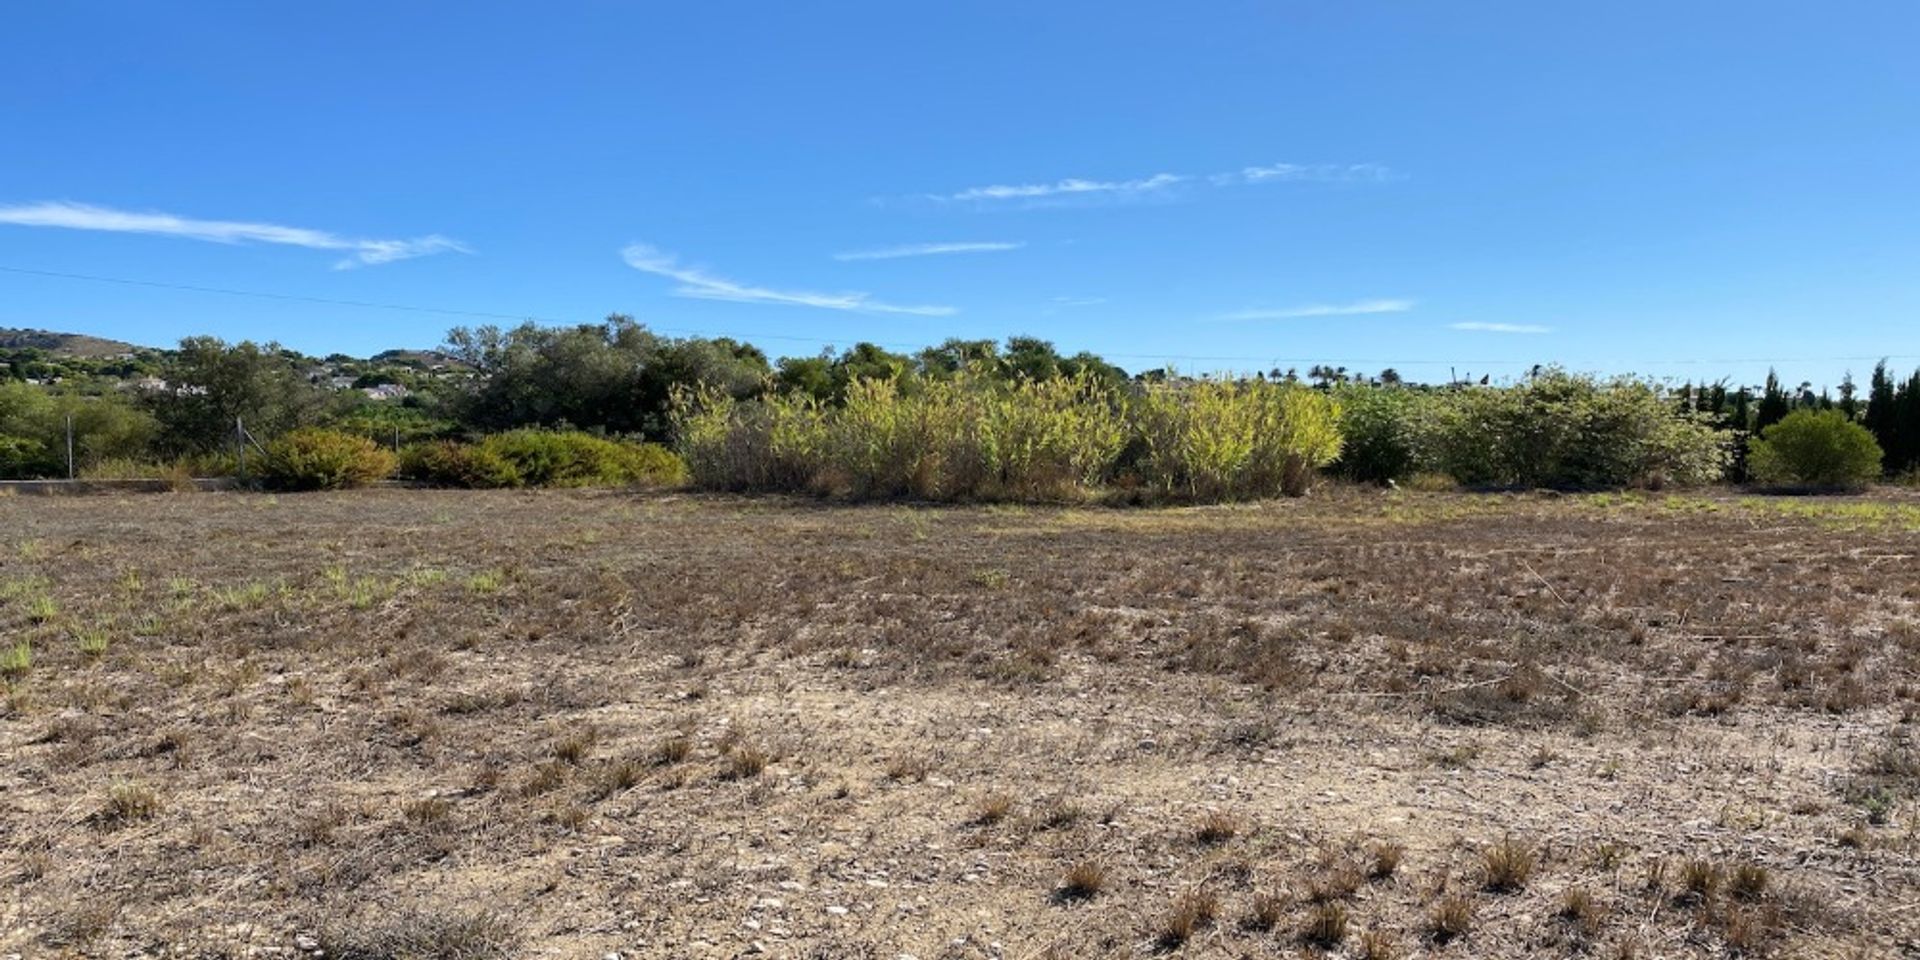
<point>63,344</point>
<point>420,358</point>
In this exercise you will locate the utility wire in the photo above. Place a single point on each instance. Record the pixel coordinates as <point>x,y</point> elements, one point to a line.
<point>1274,361</point>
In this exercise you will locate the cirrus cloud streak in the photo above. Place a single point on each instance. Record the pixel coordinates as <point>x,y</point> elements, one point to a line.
<point>698,284</point>
<point>363,252</point>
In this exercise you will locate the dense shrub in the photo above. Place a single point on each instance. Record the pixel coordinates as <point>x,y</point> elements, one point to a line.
<point>1233,440</point>
<point>315,459</point>
<point>1818,448</point>
<point>1378,439</point>
<point>967,437</point>
<point>975,437</point>
<point>1565,431</point>
<point>541,458</point>
<point>446,463</point>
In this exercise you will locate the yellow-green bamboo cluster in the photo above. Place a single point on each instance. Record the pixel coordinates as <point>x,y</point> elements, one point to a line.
<point>979,437</point>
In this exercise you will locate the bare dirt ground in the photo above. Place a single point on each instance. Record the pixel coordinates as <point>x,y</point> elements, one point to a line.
<point>433,724</point>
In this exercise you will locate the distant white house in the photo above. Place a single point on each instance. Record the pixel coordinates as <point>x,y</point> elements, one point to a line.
<point>386,391</point>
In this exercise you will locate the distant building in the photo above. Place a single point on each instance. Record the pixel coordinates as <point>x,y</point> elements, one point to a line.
<point>386,391</point>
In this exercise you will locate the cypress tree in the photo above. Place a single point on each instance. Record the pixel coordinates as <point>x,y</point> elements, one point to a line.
<point>1906,427</point>
<point>1774,405</point>
<point>1883,415</point>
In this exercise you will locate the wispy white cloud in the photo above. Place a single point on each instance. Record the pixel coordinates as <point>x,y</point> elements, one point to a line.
<point>81,216</point>
<point>1070,186</point>
<point>1305,172</point>
<point>928,250</point>
<point>1164,184</point>
<point>1356,308</point>
<point>1079,301</point>
<point>1481,327</point>
<point>701,285</point>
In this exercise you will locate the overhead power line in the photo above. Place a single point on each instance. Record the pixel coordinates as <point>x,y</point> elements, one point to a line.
<point>1151,357</point>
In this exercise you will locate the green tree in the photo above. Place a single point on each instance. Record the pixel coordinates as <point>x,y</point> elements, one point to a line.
<point>1819,448</point>
<point>211,384</point>
<point>615,376</point>
<point>1773,404</point>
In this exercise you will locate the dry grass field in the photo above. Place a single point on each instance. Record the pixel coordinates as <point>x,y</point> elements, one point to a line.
<point>422,724</point>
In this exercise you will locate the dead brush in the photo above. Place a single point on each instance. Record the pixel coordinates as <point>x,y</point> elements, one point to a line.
<point>1326,925</point>
<point>1578,908</point>
<point>671,751</point>
<point>1083,881</point>
<point>1386,857</point>
<point>427,811</point>
<point>1265,911</point>
<point>744,762</point>
<point>618,776</point>
<point>428,932</point>
<point>1378,945</point>
<point>991,809</point>
<point>1747,881</point>
<point>574,747</point>
<point>1059,813</point>
<point>908,768</point>
<point>128,802</point>
<point>1191,913</point>
<point>1216,828</point>
<point>1507,866</point>
<point>1450,919</point>
<point>547,777</point>
<point>1699,880</point>
<point>1335,878</point>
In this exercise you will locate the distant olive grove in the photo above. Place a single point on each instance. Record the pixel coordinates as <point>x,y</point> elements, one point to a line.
<point>615,403</point>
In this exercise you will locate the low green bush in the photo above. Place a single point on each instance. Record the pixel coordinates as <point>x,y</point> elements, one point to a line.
<point>543,458</point>
<point>447,463</point>
<point>315,459</point>
<point>1815,448</point>
<point>1378,436</point>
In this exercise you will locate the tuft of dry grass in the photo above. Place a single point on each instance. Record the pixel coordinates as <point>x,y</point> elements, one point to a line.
<point>1378,945</point>
<point>1507,866</point>
<point>1265,911</point>
<point>908,768</point>
<point>128,802</point>
<point>1386,857</point>
<point>1699,880</point>
<point>427,811</point>
<point>1326,924</point>
<point>1215,828</point>
<point>992,808</point>
<point>1191,912</point>
<point>671,751</point>
<point>1450,919</point>
<point>1748,881</point>
<point>744,762</point>
<point>1083,881</point>
<point>1578,907</point>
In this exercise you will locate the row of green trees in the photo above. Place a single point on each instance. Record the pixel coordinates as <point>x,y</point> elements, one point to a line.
<point>966,418</point>
<point>1890,412</point>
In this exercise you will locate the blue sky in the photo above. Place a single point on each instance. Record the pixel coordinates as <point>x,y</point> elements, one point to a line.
<point>1676,189</point>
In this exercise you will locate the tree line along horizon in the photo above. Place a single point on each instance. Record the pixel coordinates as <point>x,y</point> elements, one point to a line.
<point>616,379</point>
